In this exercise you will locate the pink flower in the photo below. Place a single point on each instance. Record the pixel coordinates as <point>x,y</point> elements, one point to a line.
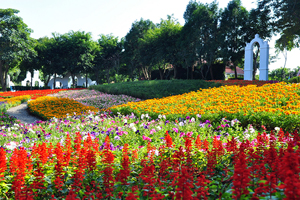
<point>175,129</point>
<point>189,134</point>
<point>152,131</point>
<point>146,138</point>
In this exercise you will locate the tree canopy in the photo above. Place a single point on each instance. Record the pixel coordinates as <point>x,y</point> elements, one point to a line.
<point>15,42</point>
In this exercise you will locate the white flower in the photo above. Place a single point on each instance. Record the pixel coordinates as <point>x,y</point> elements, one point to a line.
<point>125,120</point>
<point>147,116</point>
<point>247,136</point>
<point>164,116</point>
<point>158,128</point>
<point>131,125</point>
<point>181,124</point>
<point>97,118</point>
<point>11,146</point>
<point>251,130</point>
<point>277,129</point>
<point>142,116</point>
<point>159,116</point>
<point>193,119</point>
<point>85,137</point>
<point>134,129</point>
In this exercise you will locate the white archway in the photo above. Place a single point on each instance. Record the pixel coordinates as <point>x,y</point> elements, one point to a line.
<point>264,59</point>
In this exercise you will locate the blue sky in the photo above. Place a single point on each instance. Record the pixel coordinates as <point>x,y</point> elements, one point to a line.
<point>110,17</point>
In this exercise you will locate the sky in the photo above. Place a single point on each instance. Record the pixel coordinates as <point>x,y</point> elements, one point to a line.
<point>114,17</point>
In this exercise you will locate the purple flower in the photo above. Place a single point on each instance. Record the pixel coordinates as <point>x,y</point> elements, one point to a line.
<point>181,134</point>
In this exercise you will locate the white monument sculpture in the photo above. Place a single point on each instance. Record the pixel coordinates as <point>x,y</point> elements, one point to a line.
<point>65,83</point>
<point>34,79</point>
<point>263,63</point>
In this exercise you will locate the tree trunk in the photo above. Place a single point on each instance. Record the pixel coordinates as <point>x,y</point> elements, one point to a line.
<point>192,72</point>
<point>54,80</point>
<point>211,73</point>
<point>107,75</point>
<point>235,72</point>
<point>2,76</point>
<point>86,79</point>
<point>255,64</point>
<point>31,74</point>
<point>145,72</point>
<point>47,81</point>
<point>73,80</point>
<point>187,72</point>
<point>161,73</point>
<point>175,71</point>
<point>5,79</point>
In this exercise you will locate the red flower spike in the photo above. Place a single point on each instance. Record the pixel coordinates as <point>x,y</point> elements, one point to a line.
<point>3,165</point>
<point>241,177</point>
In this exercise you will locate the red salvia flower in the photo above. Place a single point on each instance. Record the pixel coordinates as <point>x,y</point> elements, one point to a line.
<point>202,191</point>
<point>290,173</point>
<point>3,165</point>
<point>125,171</point>
<point>198,143</point>
<point>168,140</point>
<point>241,177</point>
<point>184,184</point>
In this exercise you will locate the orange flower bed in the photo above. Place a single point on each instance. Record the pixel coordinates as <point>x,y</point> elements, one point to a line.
<point>241,82</point>
<point>49,107</point>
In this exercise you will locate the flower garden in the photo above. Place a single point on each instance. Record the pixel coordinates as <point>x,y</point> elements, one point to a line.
<point>231,142</point>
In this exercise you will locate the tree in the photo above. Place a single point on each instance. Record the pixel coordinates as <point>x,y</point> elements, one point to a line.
<point>258,23</point>
<point>200,36</point>
<point>15,43</point>
<point>44,59</point>
<point>159,47</point>
<point>285,21</point>
<point>108,56</point>
<point>76,52</point>
<point>132,44</point>
<point>280,74</point>
<point>234,28</point>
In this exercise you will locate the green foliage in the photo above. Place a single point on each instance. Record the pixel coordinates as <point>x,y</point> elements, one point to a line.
<point>283,74</point>
<point>285,21</point>
<point>131,56</point>
<point>295,79</point>
<point>107,57</point>
<point>15,42</point>
<point>154,88</point>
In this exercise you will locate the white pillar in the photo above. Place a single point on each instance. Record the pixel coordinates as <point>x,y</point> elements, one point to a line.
<point>264,62</point>
<point>248,63</point>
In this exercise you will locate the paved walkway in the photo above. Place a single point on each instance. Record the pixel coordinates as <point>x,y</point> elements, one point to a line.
<point>21,112</point>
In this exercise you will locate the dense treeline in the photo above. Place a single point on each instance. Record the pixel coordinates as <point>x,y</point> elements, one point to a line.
<point>210,39</point>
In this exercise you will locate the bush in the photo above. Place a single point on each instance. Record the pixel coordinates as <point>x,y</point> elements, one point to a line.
<point>295,79</point>
<point>154,88</point>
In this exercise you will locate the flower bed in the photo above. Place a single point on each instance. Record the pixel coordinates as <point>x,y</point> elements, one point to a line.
<point>49,107</point>
<point>97,99</point>
<point>101,157</point>
<point>271,105</point>
<point>242,82</point>
<point>138,157</point>
<point>11,102</point>
<point>33,93</point>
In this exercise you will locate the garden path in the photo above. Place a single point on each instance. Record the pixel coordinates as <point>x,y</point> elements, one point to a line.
<point>21,112</point>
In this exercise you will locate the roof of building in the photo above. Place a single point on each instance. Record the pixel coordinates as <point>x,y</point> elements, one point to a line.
<point>230,71</point>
